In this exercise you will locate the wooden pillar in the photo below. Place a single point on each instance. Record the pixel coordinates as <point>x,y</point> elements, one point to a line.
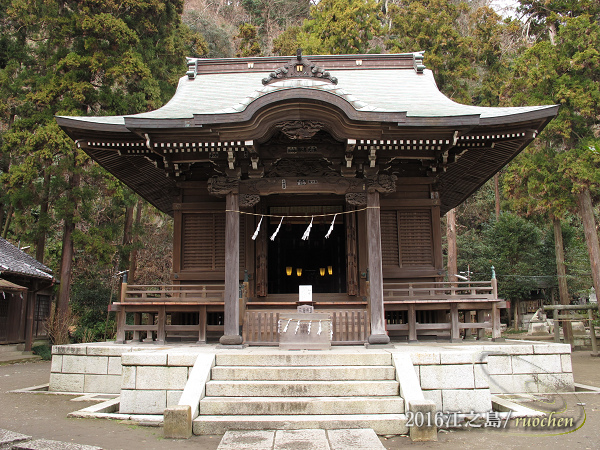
<point>378,333</point>
<point>454,323</point>
<point>452,251</point>
<point>232,272</point>
<point>30,296</point>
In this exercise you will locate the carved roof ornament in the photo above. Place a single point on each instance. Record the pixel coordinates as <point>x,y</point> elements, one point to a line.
<point>385,184</point>
<point>356,199</point>
<point>299,67</point>
<point>223,185</point>
<point>249,200</point>
<point>300,129</point>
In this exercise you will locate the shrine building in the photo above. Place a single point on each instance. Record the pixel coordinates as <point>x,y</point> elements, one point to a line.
<point>331,172</point>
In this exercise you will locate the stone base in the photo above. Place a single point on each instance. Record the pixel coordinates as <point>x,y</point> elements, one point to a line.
<point>178,422</point>
<point>234,339</point>
<point>379,339</point>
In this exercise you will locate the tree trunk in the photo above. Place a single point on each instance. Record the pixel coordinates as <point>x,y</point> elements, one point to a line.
<point>452,251</point>
<point>40,246</point>
<point>66,260</point>
<point>497,195</point>
<point>126,248</point>
<point>9,215</point>
<point>134,251</point>
<point>591,235</point>
<point>563,291</point>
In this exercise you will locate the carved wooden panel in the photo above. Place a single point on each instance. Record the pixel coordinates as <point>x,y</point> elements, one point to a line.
<point>203,242</point>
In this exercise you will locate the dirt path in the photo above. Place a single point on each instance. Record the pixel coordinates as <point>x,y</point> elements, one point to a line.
<point>45,416</point>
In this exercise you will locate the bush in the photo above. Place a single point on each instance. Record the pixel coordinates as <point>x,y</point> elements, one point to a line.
<point>43,350</point>
<point>89,303</point>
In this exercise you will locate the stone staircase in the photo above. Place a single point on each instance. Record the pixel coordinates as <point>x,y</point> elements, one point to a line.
<point>299,390</point>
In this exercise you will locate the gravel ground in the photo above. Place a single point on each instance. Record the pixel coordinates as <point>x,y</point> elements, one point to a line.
<point>44,416</point>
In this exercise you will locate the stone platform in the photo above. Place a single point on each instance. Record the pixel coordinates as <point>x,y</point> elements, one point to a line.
<point>345,387</point>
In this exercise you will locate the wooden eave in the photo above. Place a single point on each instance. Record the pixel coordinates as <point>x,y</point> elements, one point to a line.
<point>151,152</point>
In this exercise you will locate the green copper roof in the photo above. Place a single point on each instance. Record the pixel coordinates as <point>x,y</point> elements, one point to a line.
<point>389,90</point>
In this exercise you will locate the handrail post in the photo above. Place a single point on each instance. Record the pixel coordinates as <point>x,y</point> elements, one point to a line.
<point>593,333</point>
<point>123,287</point>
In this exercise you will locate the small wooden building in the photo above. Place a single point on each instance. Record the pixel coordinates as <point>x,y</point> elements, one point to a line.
<point>25,296</point>
<point>364,141</point>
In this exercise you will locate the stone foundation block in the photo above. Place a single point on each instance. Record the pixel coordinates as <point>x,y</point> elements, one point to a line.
<point>434,396</point>
<point>465,401</point>
<point>69,350</point>
<point>482,376</point>
<point>499,364</point>
<point>422,358</point>
<point>128,377</point>
<point>108,350</point>
<point>182,359</point>
<point>144,359</point>
<point>56,365</point>
<point>551,348</point>
<point>168,378</point>
<point>74,364</point>
<point>178,422</point>
<point>142,402</point>
<point>509,349</point>
<point>114,365</point>
<point>513,384</point>
<point>536,364</point>
<point>566,364</point>
<point>462,357</point>
<point>428,431</point>
<point>447,377</point>
<point>102,384</point>
<point>96,365</point>
<point>556,382</point>
<point>173,398</point>
<point>66,382</point>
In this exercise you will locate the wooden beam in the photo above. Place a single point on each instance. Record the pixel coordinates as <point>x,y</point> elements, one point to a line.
<point>231,334</point>
<point>378,333</point>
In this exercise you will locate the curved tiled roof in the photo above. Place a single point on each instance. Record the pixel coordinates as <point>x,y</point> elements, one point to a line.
<point>15,261</point>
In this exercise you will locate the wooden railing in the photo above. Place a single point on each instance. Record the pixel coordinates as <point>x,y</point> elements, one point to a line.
<point>436,291</point>
<point>172,293</point>
<point>152,304</point>
<point>349,327</point>
<point>479,296</point>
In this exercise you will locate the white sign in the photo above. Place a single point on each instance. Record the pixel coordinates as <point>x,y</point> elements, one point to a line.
<point>306,293</point>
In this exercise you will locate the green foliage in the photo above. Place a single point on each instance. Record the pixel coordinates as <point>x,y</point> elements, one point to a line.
<point>432,26</point>
<point>521,253</point>
<point>218,37</point>
<point>43,350</point>
<point>89,304</point>
<point>340,27</point>
<point>247,41</point>
<point>566,73</point>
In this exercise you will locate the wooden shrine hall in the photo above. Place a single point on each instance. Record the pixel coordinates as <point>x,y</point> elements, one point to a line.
<point>324,171</point>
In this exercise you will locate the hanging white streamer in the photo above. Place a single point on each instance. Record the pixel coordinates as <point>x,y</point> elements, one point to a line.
<point>297,327</point>
<point>319,332</point>
<point>257,229</point>
<point>277,230</point>
<point>331,227</point>
<point>309,324</point>
<point>279,326</point>
<point>287,325</point>
<point>307,232</point>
